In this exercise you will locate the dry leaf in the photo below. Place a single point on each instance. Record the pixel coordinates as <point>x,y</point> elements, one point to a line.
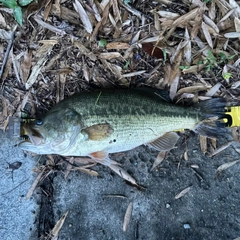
<point>69,167</point>
<point>34,185</point>
<point>232,35</point>
<point>207,34</point>
<point>83,16</point>
<point>197,88</point>
<point>35,71</point>
<point>127,216</point>
<point>185,155</point>
<point>160,157</point>
<point>26,65</point>
<point>122,173</point>
<point>226,166</point>
<point>109,55</point>
<point>187,48</point>
<point>58,227</point>
<point>154,51</point>
<point>117,45</point>
<point>182,193</point>
<point>213,90</point>
<point>203,143</point>
<point>220,149</point>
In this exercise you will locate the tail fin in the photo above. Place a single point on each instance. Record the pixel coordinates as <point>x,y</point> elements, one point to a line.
<point>213,116</point>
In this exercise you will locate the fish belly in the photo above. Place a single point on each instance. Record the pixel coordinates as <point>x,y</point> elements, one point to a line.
<point>130,132</point>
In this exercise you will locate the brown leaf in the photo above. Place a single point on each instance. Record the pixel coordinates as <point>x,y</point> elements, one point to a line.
<point>117,45</point>
<point>160,157</point>
<point>220,149</point>
<point>47,9</point>
<point>127,216</point>
<point>87,171</point>
<point>226,166</point>
<point>26,65</point>
<point>153,50</point>
<point>203,143</point>
<point>83,16</point>
<point>69,167</point>
<point>122,173</point>
<point>207,34</point>
<point>34,185</point>
<point>58,226</point>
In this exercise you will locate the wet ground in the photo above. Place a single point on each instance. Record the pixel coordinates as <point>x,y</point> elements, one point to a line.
<point>97,205</point>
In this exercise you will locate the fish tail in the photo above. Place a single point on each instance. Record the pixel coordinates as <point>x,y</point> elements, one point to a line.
<point>213,120</point>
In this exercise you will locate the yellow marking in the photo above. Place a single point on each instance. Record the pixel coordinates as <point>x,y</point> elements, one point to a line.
<point>180,130</point>
<point>234,112</point>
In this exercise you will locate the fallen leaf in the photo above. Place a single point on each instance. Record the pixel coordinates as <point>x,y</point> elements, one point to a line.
<point>182,193</point>
<point>154,51</point>
<point>58,226</point>
<point>160,157</point>
<point>127,216</point>
<point>207,34</point>
<point>117,45</point>
<point>83,16</point>
<point>203,143</point>
<point>69,167</point>
<point>226,166</point>
<point>220,149</point>
<point>122,173</point>
<point>34,185</point>
<point>26,65</point>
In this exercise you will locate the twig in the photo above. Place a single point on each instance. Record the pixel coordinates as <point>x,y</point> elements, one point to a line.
<point>10,43</point>
<point>15,187</point>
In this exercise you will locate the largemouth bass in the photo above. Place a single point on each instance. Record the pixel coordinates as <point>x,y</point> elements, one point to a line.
<point>97,123</point>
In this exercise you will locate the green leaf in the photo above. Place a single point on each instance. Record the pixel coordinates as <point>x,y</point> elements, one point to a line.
<point>184,67</point>
<point>102,43</point>
<point>18,15</point>
<point>126,65</point>
<point>227,75</point>
<point>9,3</point>
<point>24,2</point>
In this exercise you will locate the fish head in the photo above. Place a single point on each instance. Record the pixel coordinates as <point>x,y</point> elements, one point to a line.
<point>54,133</point>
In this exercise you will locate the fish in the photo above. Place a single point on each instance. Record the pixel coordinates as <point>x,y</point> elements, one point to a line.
<point>98,123</point>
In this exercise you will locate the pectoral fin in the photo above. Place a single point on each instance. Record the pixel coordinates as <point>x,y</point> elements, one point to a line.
<point>165,142</point>
<point>99,131</point>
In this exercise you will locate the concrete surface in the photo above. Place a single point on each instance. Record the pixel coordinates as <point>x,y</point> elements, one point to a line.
<point>18,216</point>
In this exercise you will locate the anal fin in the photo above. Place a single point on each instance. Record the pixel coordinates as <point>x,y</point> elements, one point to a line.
<point>103,158</point>
<point>165,142</point>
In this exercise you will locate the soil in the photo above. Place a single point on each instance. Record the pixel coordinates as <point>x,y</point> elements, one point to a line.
<point>97,205</point>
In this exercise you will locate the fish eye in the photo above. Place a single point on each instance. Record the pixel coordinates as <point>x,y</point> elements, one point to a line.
<point>39,122</point>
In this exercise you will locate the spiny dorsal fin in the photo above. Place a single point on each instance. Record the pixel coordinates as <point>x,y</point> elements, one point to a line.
<point>165,142</point>
<point>99,131</point>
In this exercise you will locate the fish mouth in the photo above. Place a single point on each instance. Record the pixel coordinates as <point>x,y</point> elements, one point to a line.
<point>36,138</point>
